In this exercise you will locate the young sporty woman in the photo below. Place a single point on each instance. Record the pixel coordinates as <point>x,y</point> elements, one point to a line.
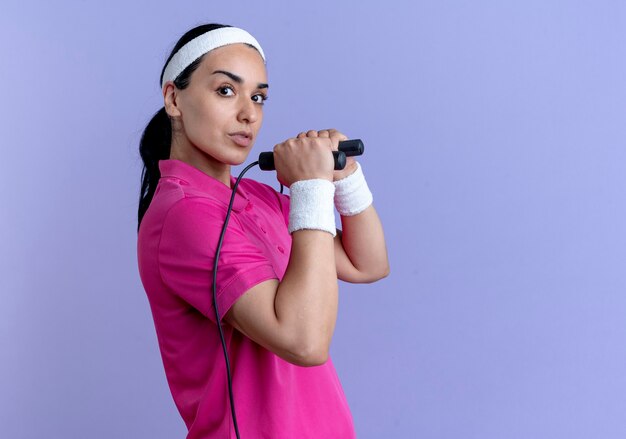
<point>281,257</point>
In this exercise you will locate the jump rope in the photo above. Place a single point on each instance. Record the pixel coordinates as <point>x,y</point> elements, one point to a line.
<point>347,148</point>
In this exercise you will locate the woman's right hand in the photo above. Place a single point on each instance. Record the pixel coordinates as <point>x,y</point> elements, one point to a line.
<point>295,318</point>
<point>304,158</point>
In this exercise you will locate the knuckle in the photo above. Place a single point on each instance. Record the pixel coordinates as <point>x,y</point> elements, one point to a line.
<point>322,143</point>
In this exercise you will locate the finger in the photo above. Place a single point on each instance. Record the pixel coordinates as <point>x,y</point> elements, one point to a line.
<point>302,135</point>
<point>323,133</point>
<point>311,133</point>
<point>334,134</point>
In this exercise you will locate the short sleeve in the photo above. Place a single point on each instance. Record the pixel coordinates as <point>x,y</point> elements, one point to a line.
<point>189,238</point>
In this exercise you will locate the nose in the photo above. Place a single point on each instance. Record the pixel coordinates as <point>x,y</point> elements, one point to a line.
<point>248,111</point>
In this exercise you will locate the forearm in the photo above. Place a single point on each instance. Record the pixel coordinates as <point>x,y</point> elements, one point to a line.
<point>307,297</point>
<point>363,240</point>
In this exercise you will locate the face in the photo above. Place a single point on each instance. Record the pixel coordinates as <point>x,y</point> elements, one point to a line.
<point>218,116</point>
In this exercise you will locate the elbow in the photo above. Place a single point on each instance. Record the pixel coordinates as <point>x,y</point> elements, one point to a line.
<point>310,355</point>
<point>312,360</point>
<point>374,276</point>
<point>384,272</point>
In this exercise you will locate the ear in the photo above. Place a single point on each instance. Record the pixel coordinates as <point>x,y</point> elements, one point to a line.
<point>170,99</point>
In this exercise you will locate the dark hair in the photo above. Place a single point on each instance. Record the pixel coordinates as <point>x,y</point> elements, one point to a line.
<point>156,140</point>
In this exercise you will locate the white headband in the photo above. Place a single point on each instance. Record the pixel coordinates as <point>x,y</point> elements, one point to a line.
<point>206,42</point>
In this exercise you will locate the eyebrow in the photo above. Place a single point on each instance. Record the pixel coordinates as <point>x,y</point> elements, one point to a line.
<point>238,79</point>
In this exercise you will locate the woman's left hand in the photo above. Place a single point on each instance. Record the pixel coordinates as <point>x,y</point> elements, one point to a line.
<point>335,137</point>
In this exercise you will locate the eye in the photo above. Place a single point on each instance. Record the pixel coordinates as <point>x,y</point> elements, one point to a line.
<point>221,90</point>
<point>261,98</point>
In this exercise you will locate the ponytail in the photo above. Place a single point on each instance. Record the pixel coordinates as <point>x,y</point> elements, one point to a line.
<point>155,145</point>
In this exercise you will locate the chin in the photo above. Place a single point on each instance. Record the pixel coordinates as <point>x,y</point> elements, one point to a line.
<point>238,159</point>
<point>232,157</point>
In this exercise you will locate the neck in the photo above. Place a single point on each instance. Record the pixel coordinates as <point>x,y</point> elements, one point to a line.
<point>202,161</point>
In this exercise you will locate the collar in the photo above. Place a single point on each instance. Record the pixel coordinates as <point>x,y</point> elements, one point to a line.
<point>206,183</point>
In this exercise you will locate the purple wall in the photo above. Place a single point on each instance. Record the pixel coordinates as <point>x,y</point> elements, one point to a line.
<point>496,151</point>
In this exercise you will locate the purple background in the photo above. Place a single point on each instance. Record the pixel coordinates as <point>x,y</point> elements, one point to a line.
<point>495,138</point>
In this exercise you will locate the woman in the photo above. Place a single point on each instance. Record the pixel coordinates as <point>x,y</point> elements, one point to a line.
<point>277,288</point>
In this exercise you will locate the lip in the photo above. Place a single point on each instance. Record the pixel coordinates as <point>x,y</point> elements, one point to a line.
<point>241,138</point>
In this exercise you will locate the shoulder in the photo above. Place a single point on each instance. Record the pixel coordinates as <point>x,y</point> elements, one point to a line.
<point>194,220</point>
<point>191,234</point>
<point>196,208</point>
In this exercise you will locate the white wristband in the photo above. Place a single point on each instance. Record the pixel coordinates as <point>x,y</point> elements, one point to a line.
<point>352,195</point>
<point>311,206</point>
